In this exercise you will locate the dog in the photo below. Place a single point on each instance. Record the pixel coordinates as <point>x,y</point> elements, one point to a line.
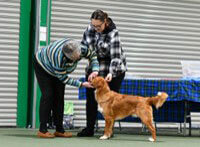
<point>117,106</point>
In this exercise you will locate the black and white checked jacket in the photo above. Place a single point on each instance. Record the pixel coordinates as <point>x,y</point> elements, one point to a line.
<point>108,47</point>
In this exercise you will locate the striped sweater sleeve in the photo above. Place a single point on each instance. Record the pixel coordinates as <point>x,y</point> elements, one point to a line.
<point>69,81</point>
<point>91,55</point>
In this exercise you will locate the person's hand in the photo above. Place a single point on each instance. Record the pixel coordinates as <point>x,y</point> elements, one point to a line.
<point>92,76</point>
<point>108,77</point>
<point>87,85</point>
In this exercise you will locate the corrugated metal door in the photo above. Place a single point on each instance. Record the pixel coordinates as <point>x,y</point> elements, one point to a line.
<point>9,45</point>
<point>156,35</point>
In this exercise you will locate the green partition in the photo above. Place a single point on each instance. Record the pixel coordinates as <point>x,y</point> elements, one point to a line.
<point>24,64</point>
<point>28,30</point>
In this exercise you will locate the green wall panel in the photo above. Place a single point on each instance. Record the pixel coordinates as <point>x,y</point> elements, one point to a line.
<point>23,69</point>
<point>26,51</point>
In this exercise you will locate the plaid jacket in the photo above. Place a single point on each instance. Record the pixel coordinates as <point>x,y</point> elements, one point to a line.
<point>108,48</point>
<point>53,61</point>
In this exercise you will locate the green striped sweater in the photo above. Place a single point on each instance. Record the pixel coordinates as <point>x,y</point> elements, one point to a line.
<point>52,60</point>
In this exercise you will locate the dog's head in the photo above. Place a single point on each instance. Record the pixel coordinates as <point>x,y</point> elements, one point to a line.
<point>98,82</point>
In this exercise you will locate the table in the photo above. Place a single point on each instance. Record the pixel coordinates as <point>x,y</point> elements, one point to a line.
<point>183,95</point>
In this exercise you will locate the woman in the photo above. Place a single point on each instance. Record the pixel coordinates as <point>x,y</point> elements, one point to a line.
<point>53,64</point>
<point>103,37</point>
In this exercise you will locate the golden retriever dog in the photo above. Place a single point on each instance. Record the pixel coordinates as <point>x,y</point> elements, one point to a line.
<point>117,106</point>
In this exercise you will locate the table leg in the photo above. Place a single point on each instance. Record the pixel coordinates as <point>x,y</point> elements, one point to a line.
<point>185,118</point>
<point>189,116</point>
<point>190,128</point>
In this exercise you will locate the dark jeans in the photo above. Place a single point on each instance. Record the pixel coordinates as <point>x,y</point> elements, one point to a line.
<point>91,104</point>
<point>52,99</point>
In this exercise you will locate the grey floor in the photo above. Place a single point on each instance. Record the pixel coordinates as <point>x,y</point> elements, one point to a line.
<point>18,137</point>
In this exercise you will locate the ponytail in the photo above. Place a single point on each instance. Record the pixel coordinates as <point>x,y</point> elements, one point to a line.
<point>100,15</point>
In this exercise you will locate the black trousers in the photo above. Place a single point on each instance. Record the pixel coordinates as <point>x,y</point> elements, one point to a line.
<point>91,104</point>
<point>52,98</point>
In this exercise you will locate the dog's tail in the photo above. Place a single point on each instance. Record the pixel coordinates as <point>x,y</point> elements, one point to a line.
<point>158,100</point>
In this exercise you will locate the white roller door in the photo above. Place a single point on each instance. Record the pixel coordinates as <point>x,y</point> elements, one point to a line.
<point>156,35</point>
<point>9,46</point>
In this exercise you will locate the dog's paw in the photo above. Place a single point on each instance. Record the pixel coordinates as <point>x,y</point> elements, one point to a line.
<point>104,137</point>
<point>151,139</point>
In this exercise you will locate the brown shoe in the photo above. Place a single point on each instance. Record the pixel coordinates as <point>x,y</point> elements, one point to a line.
<point>65,134</point>
<point>45,135</point>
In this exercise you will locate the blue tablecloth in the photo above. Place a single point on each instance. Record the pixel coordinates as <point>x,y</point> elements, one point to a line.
<point>179,91</point>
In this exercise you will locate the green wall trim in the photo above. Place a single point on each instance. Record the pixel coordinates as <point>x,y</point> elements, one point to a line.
<point>23,68</point>
<point>49,28</point>
<point>43,17</point>
<point>45,21</point>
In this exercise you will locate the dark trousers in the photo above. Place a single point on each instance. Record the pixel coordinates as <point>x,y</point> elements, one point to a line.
<point>91,104</point>
<point>52,99</point>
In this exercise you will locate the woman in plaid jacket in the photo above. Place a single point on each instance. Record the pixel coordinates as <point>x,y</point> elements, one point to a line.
<point>102,36</point>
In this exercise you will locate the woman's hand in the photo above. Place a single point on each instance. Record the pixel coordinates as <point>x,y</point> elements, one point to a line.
<point>87,85</point>
<point>92,76</point>
<point>108,77</point>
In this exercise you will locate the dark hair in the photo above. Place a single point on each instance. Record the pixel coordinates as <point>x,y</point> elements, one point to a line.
<point>100,15</point>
